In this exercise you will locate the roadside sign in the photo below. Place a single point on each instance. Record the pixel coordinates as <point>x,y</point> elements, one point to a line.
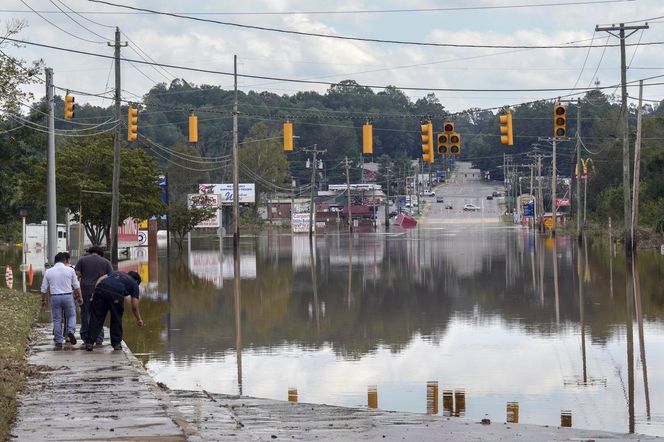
<point>548,223</point>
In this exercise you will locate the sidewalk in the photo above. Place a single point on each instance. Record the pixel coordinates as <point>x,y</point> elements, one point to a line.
<point>107,395</point>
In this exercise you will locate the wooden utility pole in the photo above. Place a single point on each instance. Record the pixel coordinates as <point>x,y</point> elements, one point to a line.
<point>579,171</point>
<point>627,206</point>
<point>51,203</point>
<point>312,205</point>
<point>554,178</point>
<point>115,189</point>
<point>387,199</point>
<point>350,202</point>
<point>236,169</point>
<point>637,166</point>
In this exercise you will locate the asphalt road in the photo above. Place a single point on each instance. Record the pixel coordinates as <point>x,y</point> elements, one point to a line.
<point>464,186</point>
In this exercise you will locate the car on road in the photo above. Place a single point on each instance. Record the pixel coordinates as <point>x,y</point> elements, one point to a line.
<point>439,199</point>
<point>489,197</point>
<point>470,208</point>
<point>428,193</point>
<point>448,206</point>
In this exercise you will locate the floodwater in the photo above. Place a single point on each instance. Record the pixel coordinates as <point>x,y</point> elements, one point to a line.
<point>478,322</point>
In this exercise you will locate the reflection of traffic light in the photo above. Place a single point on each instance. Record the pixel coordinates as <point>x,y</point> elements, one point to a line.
<point>559,120</point>
<point>69,107</point>
<point>367,138</point>
<point>506,135</point>
<point>443,144</point>
<point>288,136</point>
<point>193,128</point>
<point>455,143</point>
<point>132,123</point>
<point>427,142</point>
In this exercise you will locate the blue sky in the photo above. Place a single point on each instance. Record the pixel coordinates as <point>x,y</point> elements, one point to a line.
<point>176,41</point>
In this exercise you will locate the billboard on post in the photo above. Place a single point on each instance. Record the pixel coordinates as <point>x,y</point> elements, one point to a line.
<point>206,200</point>
<point>225,191</point>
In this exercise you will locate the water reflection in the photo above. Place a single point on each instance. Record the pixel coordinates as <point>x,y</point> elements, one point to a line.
<point>511,316</point>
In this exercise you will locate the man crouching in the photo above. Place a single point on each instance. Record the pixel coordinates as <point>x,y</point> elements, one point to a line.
<point>109,296</point>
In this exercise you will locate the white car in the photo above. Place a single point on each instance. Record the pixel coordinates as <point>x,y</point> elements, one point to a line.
<point>428,193</point>
<point>470,208</point>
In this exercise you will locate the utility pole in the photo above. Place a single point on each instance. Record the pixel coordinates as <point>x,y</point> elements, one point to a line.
<point>52,212</point>
<point>637,166</point>
<point>387,199</point>
<point>578,171</point>
<point>350,202</point>
<point>554,178</point>
<point>629,243</point>
<point>115,189</point>
<point>314,167</point>
<point>236,161</point>
<point>540,203</point>
<point>417,186</point>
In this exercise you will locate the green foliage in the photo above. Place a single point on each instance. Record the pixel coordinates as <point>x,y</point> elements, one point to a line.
<point>84,174</point>
<point>183,219</point>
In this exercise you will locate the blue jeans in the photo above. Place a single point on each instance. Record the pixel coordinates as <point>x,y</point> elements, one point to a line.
<point>58,304</point>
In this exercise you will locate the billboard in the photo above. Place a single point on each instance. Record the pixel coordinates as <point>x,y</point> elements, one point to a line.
<point>300,222</point>
<point>225,191</point>
<point>206,200</point>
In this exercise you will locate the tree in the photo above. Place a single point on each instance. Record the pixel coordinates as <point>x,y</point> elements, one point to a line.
<point>84,171</point>
<point>15,72</point>
<point>183,219</point>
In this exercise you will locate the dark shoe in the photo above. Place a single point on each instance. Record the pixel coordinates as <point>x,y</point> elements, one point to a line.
<point>88,347</point>
<point>58,345</point>
<point>72,338</point>
<point>117,347</point>
<point>99,343</point>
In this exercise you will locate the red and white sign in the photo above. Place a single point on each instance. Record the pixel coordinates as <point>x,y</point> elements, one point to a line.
<point>207,200</point>
<point>128,231</point>
<point>562,202</point>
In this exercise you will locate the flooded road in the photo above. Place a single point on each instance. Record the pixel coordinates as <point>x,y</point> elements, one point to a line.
<point>476,321</point>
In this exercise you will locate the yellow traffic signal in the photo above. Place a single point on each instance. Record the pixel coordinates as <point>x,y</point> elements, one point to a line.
<point>506,135</point>
<point>193,128</point>
<point>448,127</point>
<point>559,120</point>
<point>288,136</point>
<point>132,123</point>
<point>455,143</point>
<point>427,142</point>
<point>69,107</point>
<point>367,138</point>
<point>443,143</point>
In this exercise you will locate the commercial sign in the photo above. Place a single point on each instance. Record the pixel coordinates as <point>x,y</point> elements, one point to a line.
<point>211,201</point>
<point>300,222</point>
<point>225,191</point>
<point>562,202</point>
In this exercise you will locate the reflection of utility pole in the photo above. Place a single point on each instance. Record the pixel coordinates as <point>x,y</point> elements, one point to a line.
<point>639,322</point>
<point>625,115</point>
<point>629,318</point>
<point>238,312</point>
<point>554,178</point>
<point>350,201</point>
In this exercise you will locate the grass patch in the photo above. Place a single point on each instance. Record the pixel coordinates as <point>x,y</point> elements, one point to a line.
<point>17,312</point>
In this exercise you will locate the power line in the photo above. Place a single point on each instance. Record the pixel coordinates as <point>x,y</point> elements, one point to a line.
<point>72,19</point>
<point>83,17</point>
<point>292,80</point>
<point>341,37</point>
<point>58,27</point>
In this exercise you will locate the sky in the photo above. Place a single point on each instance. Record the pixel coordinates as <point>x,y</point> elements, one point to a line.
<point>211,46</point>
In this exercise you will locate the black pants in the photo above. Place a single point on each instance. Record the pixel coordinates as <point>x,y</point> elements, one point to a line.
<point>106,300</point>
<point>85,314</point>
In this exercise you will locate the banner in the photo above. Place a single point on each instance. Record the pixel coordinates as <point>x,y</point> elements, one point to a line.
<point>205,200</point>
<point>225,191</point>
<point>300,222</point>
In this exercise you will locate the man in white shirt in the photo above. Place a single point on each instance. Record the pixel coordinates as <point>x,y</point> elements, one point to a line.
<point>62,284</point>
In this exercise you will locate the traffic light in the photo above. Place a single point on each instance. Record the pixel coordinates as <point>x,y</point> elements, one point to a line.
<point>69,107</point>
<point>367,138</point>
<point>559,120</point>
<point>443,143</point>
<point>288,136</point>
<point>506,135</point>
<point>455,143</point>
<point>193,128</point>
<point>427,142</point>
<point>132,123</point>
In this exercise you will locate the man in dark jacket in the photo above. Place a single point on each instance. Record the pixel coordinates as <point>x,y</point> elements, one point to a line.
<point>89,269</point>
<point>110,295</point>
